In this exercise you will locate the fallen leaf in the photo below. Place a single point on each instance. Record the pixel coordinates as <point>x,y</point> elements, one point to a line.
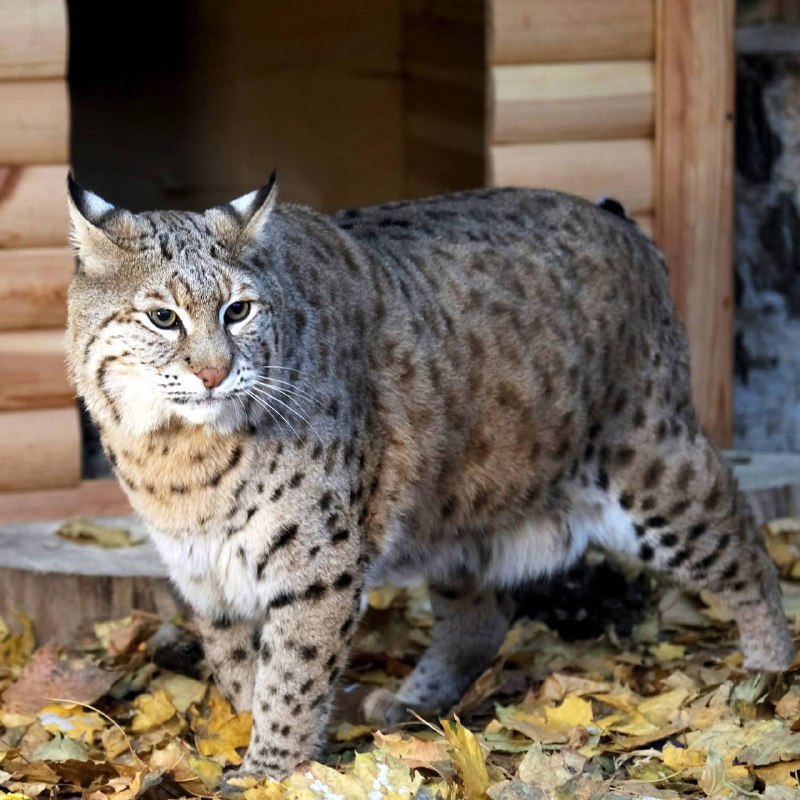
<point>468,759</point>
<point>61,748</point>
<point>416,753</point>
<point>574,711</point>
<point>546,772</point>
<point>54,674</point>
<point>84,531</point>
<point>182,691</point>
<point>222,732</point>
<point>152,711</point>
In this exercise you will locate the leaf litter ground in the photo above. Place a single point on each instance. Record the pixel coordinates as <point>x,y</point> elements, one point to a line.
<point>664,712</point>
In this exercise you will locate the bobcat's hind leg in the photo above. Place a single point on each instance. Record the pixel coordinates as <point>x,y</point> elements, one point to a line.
<point>689,520</point>
<point>470,623</point>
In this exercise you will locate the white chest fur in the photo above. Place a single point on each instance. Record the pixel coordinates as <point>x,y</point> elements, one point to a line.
<point>215,573</point>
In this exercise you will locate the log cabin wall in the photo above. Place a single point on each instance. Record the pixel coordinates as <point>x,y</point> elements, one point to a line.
<point>39,429</point>
<point>355,102</point>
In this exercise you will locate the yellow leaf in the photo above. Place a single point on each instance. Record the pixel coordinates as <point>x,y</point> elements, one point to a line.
<point>317,782</point>
<point>665,651</point>
<point>126,788</point>
<point>681,758</point>
<point>17,648</point>
<point>411,750</point>
<point>265,791</point>
<point>223,731</point>
<point>345,732</point>
<point>114,742</point>
<point>468,759</point>
<point>73,721</point>
<point>208,771</point>
<point>782,774</point>
<point>153,710</point>
<point>385,777</point>
<point>574,711</point>
<point>184,692</point>
<point>712,780</point>
<point>85,532</point>
<point>659,709</point>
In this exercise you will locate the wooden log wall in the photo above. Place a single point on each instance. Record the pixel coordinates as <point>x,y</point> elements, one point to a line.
<point>630,98</point>
<point>39,425</point>
<point>572,98</point>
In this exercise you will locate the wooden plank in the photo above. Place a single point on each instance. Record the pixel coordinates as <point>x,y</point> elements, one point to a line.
<point>33,206</point>
<point>33,39</point>
<point>33,287</point>
<point>90,498</point>
<point>34,122</point>
<point>694,193</point>
<point>646,223</point>
<point>770,482</point>
<point>33,370</point>
<point>440,169</point>
<point>541,31</point>
<point>621,168</point>
<point>39,449</point>
<point>558,102</point>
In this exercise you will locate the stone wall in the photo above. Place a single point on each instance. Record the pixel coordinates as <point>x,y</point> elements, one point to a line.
<point>767,322</point>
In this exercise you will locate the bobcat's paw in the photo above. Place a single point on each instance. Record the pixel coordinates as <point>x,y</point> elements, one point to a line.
<point>381,707</point>
<point>237,781</point>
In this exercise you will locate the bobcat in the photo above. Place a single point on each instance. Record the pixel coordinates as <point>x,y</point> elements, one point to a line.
<point>470,388</point>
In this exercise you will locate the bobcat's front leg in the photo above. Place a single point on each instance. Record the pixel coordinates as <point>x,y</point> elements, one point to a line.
<point>304,642</point>
<point>230,649</point>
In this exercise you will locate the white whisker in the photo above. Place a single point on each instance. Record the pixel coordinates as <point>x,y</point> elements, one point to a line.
<point>270,411</point>
<point>305,419</point>
<point>265,381</point>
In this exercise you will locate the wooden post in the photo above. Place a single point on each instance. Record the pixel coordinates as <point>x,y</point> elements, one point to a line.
<point>694,190</point>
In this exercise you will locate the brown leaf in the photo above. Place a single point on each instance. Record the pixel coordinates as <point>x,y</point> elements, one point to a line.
<point>53,674</point>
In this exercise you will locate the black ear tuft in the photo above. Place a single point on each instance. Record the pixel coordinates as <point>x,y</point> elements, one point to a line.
<point>88,205</point>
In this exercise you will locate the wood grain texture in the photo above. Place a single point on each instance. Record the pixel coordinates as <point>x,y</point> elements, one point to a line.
<point>33,287</point>
<point>34,122</point>
<point>623,169</point>
<point>90,498</point>
<point>63,607</point>
<point>559,102</point>
<point>33,39</point>
<point>694,194</point>
<point>39,449</point>
<point>33,370</point>
<point>541,31</point>
<point>33,206</point>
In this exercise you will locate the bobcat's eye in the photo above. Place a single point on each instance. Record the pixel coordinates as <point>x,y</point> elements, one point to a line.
<point>237,311</point>
<point>164,318</point>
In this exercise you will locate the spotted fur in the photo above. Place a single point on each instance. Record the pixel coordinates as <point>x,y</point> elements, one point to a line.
<point>471,389</point>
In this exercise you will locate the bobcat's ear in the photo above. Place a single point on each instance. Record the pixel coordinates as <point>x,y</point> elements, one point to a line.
<point>99,231</point>
<point>242,220</point>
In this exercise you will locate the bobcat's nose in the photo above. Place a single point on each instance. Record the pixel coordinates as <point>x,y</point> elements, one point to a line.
<point>213,376</point>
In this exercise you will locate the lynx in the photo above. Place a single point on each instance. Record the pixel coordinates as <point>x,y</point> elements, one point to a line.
<point>469,389</point>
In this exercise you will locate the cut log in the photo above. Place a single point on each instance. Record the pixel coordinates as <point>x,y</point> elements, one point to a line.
<point>39,449</point>
<point>33,206</point>
<point>33,287</point>
<point>621,168</point>
<point>539,31</point>
<point>33,39</point>
<point>694,201</point>
<point>34,122</point>
<point>101,498</point>
<point>65,587</point>
<point>558,102</point>
<point>33,370</point>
